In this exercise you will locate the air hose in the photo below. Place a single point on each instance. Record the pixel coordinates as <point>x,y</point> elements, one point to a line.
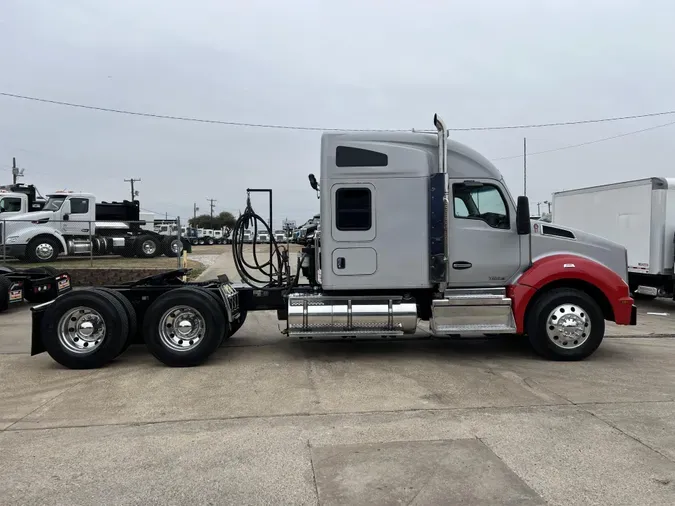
<point>272,274</point>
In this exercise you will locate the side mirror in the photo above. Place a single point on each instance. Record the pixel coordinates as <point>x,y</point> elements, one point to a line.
<point>523,226</point>
<point>313,183</point>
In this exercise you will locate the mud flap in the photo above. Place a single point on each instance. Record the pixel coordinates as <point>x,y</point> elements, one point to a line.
<point>37,313</point>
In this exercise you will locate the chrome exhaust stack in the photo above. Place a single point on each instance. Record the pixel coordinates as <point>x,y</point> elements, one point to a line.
<point>443,169</point>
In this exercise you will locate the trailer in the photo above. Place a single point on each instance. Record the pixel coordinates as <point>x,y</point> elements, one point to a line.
<point>639,215</point>
<point>36,285</point>
<point>75,224</point>
<point>471,264</point>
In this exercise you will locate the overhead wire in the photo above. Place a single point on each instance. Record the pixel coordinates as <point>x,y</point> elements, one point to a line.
<point>587,143</point>
<point>331,129</point>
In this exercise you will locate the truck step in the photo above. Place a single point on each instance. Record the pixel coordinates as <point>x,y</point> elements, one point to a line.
<point>472,311</point>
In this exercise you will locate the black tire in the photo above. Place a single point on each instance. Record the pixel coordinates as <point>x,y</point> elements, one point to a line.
<point>210,241</point>
<point>5,285</point>
<point>586,312</point>
<point>200,242</point>
<point>147,246</point>
<point>212,318</point>
<point>131,315</point>
<point>49,247</point>
<point>167,247</point>
<point>116,328</point>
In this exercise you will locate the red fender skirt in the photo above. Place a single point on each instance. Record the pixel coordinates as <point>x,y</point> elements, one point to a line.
<point>558,267</point>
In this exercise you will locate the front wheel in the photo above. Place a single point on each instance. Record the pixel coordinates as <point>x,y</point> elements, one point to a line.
<point>565,324</point>
<point>43,249</point>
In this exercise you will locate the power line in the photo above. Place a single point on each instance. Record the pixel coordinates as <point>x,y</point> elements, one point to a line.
<point>331,129</point>
<point>587,143</point>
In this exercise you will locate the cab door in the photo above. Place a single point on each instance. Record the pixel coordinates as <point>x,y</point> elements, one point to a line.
<point>484,248</point>
<point>77,222</point>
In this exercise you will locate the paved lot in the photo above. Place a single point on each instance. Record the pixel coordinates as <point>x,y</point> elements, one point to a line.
<point>272,420</point>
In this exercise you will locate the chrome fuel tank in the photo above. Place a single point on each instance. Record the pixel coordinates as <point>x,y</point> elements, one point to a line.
<point>346,316</point>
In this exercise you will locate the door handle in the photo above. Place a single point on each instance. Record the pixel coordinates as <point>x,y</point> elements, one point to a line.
<point>341,263</point>
<point>461,265</point>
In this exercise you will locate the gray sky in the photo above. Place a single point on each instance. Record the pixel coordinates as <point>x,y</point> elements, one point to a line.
<point>351,64</point>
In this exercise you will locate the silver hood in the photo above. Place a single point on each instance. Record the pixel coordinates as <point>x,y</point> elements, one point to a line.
<point>552,239</point>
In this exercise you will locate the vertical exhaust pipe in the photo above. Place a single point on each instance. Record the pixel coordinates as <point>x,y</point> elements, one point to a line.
<point>443,169</point>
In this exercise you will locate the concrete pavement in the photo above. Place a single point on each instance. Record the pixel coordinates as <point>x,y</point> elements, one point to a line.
<point>271,420</point>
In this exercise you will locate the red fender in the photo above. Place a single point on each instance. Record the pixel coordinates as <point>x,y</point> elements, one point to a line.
<point>558,267</point>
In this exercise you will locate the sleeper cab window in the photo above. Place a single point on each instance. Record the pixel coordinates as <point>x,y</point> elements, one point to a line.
<point>346,156</point>
<point>479,201</point>
<point>353,209</point>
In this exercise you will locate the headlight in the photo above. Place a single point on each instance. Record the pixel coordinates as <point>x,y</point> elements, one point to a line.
<point>12,238</point>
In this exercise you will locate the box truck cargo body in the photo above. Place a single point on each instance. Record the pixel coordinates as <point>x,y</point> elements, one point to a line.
<point>640,215</point>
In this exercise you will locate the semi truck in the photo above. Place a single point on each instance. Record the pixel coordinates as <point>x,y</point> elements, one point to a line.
<point>639,215</point>
<point>18,199</point>
<point>73,223</point>
<point>472,263</point>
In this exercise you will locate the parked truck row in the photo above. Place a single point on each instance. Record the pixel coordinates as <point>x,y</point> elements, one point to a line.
<point>70,223</point>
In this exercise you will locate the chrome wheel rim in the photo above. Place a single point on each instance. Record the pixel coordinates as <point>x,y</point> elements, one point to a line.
<point>182,328</point>
<point>176,246</point>
<point>44,251</point>
<point>81,330</point>
<point>568,326</point>
<point>149,247</point>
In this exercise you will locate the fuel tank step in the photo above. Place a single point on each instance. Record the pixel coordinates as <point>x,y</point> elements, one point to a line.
<point>339,316</point>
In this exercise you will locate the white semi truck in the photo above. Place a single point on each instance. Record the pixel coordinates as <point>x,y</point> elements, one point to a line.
<point>16,199</point>
<point>639,215</point>
<point>471,262</point>
<point>73,223</point>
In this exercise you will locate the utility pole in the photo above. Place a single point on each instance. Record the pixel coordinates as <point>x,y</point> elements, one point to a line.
<point>539,208</point>
<point>16,172</point>
<point>134,194</point>
<point>194,210</point>
<point>212,204</point>
<point>525,166</point>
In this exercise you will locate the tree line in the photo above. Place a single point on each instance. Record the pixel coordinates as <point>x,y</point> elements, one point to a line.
<point>223,220</point>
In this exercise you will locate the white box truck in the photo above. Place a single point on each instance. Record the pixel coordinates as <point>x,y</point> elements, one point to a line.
<point>639,215</point>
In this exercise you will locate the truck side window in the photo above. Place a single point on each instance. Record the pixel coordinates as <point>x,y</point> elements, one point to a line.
<point>346,156</point>
<point>481,202</point>
<point>353,209</point>
<point>79,206</point>
<point>10,204</point>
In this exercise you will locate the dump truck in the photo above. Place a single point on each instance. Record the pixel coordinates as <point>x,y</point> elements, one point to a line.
<point>472,263</point>
<point>18,199</point>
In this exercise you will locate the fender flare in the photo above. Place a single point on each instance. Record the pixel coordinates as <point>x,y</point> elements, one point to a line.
<point>27,234</point>
<point>554,270</point>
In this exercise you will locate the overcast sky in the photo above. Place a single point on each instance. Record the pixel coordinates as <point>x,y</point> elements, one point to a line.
<point>346,64</point>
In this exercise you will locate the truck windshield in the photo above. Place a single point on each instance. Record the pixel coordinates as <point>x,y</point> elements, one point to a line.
<point>54,203</point>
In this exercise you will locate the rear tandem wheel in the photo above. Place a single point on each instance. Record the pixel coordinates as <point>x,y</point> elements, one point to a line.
<point>184,326</point>
<point>85,329</point>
